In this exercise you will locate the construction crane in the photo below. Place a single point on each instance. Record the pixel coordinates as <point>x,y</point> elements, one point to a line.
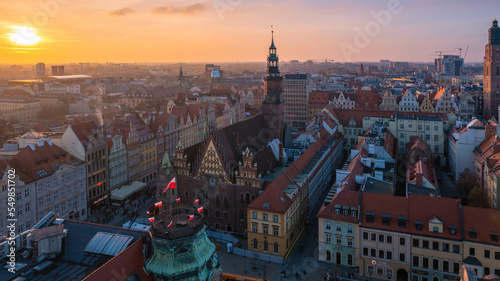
<point>466,50</point>
<point>326,61</point>
<point>459,52</point>
<point>441,53</point>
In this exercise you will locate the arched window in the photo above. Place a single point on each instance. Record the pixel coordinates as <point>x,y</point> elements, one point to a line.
<point>253,197</point>
<point>217,198</point>
<point>186,193</point>
<point>241,215</point>
<point>349,259</point>
<point>242,197</point>
<point>247,197</point>
<point>328,255</point>
<point>226,199</point>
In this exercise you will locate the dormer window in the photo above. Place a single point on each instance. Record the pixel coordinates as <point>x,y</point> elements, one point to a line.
<point>370,216</point>
<point>494,237</point>
<point>337,209</point>
<point>386,219</point>
<point>402,221</point>
<point>346,213</point>
<point>353,214</point>
<point>472,233</point>
<point>418,225</point>
<point>453,230</point>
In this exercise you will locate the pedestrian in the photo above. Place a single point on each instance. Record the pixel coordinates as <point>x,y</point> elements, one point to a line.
<point>296,276</point>
<point>304,272</point>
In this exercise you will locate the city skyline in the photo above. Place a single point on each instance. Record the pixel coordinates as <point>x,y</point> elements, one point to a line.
<point>223,30</point>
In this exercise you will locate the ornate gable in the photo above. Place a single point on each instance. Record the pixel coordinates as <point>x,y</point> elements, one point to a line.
<point>211,162</point>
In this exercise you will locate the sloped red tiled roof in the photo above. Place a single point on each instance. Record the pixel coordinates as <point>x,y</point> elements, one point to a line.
<point>274,194</point>
<point>487,225</point>
<point>36,164</point>
<point>344,198</point>
<point>83,130</point>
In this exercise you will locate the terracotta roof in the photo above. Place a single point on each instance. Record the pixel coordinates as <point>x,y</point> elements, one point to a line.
<point>317,97</point>
<point>83,130</point>
<point>343,198</point>
<point>41,162</point>
<point>274,194</point>
<point>484,227</point>
<point>416,209</point>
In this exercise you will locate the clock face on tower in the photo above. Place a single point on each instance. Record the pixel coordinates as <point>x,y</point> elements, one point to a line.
<point>270,98</point>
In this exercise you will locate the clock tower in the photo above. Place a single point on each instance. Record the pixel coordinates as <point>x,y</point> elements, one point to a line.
<point>273,107</point>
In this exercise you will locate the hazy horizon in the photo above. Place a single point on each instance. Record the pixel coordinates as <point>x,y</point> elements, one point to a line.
<point>232,31</point>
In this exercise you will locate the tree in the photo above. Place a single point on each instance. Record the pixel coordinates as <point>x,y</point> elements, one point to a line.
<point>479,197</point>
<point>467,181</point>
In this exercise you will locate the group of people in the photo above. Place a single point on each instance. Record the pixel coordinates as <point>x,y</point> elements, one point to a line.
<point>347,275</point>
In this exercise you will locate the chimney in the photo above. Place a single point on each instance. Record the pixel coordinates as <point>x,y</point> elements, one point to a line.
<point>490,130</point>
<point>419,179</point>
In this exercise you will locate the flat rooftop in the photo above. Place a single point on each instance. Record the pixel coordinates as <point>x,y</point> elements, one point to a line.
<point>74,263</point>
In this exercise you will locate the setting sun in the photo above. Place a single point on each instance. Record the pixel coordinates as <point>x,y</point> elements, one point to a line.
<point>24,36</point>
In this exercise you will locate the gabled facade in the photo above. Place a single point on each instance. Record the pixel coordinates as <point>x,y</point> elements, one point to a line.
<point>87,142</point>
<point>408,102</point>
<point>444,102</point>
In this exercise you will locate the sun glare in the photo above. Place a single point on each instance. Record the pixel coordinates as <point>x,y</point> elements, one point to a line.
<point>24,36</point>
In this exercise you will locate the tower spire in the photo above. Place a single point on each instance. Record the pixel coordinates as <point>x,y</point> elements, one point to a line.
<point>181,75</point>
<point>272,38</point>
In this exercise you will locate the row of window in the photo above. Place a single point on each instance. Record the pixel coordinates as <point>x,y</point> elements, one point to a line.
<point>486,253</point>
<point>255,244</point>
<point>444,265</point>
<point>338,239</point>
<point>265,217</point>
<point>265,229</point>
<point>435,245</point>
<point>382,254</point>
<point>382,238</point>
<point>338,226</point>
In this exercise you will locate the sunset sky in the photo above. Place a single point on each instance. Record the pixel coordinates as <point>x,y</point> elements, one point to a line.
<point>239,30</point>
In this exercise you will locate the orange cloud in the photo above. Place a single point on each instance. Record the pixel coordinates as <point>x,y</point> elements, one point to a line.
<point>193,9</point>
<point>123,12</point>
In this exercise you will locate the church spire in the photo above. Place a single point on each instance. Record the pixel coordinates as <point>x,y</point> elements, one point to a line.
<point>181,75</point>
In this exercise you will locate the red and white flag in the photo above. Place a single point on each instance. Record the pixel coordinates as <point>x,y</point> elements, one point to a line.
<point>151,219</point>
<point>170,224</point>
<point>170,185</point>
<point>200,210</point>
<point>197,201</point>
<point>191,217</point>
<point>158,204</point>
<point>178,200</point>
